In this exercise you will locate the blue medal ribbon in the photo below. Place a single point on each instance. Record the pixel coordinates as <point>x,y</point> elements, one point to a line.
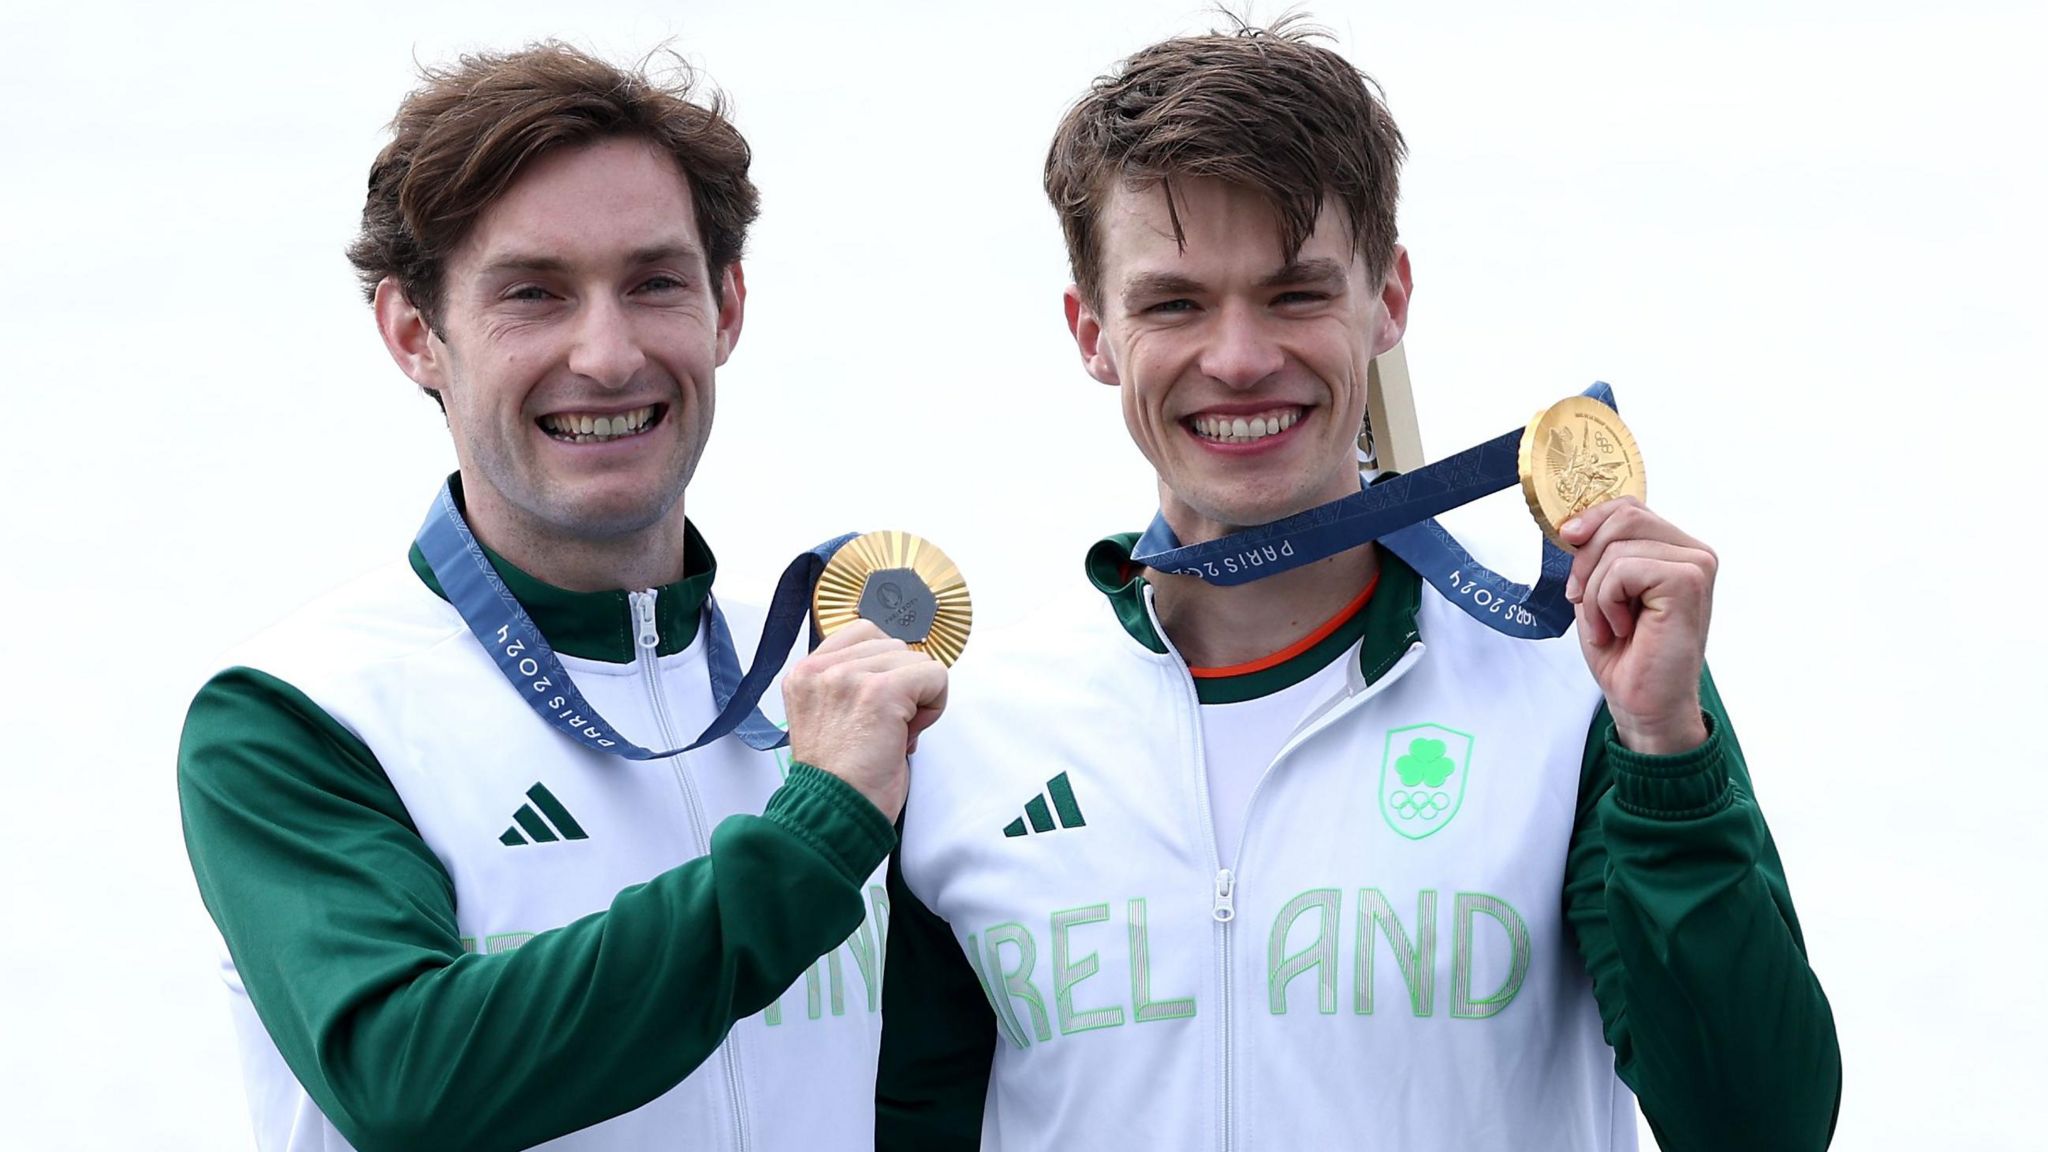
<point>1399,512</point>
<point>498,621</point>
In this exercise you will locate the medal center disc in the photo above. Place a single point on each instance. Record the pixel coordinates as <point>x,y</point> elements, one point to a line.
<point>897,601</point>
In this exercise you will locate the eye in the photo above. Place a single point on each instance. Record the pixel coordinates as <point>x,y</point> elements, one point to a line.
<point>526,293</point>
<point>1169,307</point>
<point>663,284</point>
<point>1301,297</point>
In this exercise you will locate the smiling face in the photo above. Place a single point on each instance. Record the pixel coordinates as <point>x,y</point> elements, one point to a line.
<point>1243,370</point>
<point>582,335</point>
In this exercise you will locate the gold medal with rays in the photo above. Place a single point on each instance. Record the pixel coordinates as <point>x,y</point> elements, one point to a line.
<point>902,583</point>
<point>1575,454</point>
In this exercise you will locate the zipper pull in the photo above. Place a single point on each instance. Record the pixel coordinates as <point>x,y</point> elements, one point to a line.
<point>1225,911</point>
<point>643,610</point>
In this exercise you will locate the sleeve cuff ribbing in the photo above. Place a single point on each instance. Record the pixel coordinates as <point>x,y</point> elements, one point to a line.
<point>833,817</point>
<point>1684,786</point>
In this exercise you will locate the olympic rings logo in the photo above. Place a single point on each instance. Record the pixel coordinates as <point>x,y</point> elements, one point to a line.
<point>1419,804</point>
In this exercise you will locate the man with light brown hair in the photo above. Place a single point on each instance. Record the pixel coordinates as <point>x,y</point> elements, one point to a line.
<point>500,851</point>
<point>1301,840</point>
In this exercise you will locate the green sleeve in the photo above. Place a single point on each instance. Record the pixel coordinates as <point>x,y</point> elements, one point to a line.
<point>1682,915</point>
<point>341,923</point>
<point>938,1034</point>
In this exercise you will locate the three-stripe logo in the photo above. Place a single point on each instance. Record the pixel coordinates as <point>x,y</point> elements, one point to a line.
<point>552,822</point>
<point>1041,817</point>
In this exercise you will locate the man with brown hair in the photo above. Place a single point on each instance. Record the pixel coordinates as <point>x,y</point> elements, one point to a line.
<point>472,888</point>
<point>1340,856</point>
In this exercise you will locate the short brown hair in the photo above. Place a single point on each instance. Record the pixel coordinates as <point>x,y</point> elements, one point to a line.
<point>462,137</point>
<point>1258,107</point>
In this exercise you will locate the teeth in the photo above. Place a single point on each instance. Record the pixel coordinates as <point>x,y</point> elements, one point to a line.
<point>1239,429</point>
<point>581,429</point>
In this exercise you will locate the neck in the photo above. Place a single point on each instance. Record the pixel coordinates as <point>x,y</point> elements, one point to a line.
<point>647,558</point>
<point>1215,626</point>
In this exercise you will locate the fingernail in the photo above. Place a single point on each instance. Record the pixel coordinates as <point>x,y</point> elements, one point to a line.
<point>1570,528</point>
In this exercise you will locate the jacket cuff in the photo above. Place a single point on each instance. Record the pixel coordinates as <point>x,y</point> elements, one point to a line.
<point>834,818</point>
<point>1684,786</point>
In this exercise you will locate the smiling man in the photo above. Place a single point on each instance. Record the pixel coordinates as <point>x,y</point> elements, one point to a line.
<point>1321,860</point>
<point>461,905</point>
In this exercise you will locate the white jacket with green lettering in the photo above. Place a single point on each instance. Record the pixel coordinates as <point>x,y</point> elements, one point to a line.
<point>1387,965</point>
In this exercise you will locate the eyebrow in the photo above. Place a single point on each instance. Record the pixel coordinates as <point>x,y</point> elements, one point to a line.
<point>1149,285</point>
<point>651,254</point>
<point>1320,270</point>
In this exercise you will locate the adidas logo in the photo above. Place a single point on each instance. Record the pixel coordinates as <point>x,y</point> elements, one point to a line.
<point>1063,802</point>
<point>552,822</point>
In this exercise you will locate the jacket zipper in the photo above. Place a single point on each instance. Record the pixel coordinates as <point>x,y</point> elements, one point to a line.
<point>1223,906</point>
<point>648,640</point>
<point>1225,912</point>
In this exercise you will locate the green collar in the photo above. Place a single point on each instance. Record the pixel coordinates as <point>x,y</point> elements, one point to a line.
<point>1386,624</point>
<point>599,625</point>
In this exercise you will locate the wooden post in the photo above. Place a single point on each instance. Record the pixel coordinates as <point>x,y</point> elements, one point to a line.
<point>1390,413</point>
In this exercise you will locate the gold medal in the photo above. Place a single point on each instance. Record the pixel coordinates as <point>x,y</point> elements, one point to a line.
<point>1575,454</point>
<point>902,583</point>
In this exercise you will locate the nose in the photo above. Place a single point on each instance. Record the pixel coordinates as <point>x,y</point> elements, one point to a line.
<point>1240,352</point>
<point>606,348</point>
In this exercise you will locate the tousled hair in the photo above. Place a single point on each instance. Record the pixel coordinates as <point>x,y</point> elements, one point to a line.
<point>1263,108</point>
<point>462,138</point>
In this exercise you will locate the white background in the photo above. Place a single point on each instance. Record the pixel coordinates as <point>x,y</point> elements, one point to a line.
<point>1802,241</point>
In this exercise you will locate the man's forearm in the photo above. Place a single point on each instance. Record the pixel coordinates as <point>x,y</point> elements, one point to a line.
<point>342,927</point>
<point>1687,927</point>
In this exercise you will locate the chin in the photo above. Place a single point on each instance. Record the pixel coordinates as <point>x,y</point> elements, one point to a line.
<point>606,517</point>
<point>1250,509</point>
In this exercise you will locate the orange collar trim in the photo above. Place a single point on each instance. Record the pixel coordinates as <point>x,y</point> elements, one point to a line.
<point>1322,632</point>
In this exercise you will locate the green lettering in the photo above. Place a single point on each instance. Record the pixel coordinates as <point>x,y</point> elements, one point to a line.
<point>1143,1008</point>
<point>878,901</point>
<point>862,945</point>
<point>505,941</point>
<point>1417,960</point>
<point>1016,982</point>
<point>1320,955</point>
<point>1470,905</point>
<point>825,971</point>
<point>1000,1005</point>
<point>1065,975</point>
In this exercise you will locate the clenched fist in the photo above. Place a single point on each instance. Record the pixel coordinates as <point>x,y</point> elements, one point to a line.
<point>855,706</point>
<point>1645,594</point>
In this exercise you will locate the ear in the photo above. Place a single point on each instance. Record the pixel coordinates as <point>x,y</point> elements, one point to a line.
<point>412,344</point>
<point>732,309</point>
<point>1394,293</point>
<point>1087,329</point>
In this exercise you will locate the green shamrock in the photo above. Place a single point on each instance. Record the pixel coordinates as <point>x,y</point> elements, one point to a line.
<point>1425,764</point>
